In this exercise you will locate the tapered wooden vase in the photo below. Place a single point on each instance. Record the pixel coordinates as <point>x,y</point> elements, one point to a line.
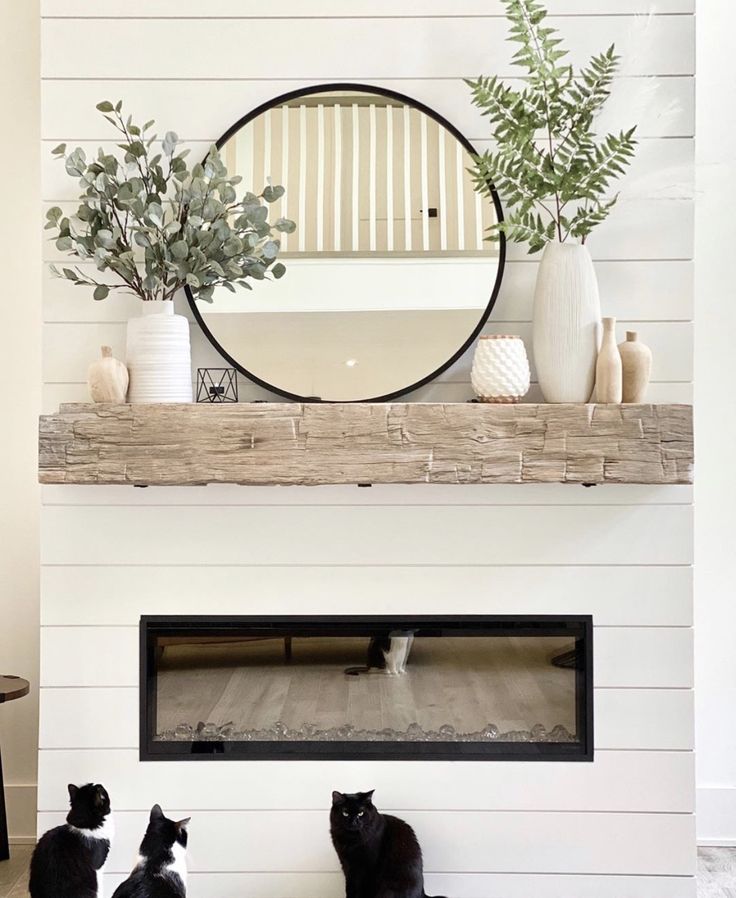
<point>608,369</point>
<point>636,360</point>
<point>567,315</point>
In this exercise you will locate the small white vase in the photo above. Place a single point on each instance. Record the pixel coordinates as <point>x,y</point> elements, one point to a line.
<point>567,315</point>
<point>500,370</point>
<point>158,355</point>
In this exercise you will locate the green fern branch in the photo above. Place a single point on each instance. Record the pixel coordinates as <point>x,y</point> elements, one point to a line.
<point>546,158</point>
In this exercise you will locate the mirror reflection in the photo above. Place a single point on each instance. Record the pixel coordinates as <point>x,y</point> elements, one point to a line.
<point>388,272</point>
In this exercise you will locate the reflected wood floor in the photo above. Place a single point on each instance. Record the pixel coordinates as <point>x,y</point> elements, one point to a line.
<point>466,682</point>
<point>716,873</point>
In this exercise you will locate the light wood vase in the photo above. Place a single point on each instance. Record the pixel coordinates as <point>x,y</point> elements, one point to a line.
<point>567,315</point>
<point>107,378</point>
<point>608,369</point>
<point>636,361</point>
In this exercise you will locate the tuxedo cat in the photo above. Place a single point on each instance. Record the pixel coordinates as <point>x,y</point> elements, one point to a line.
<point>388,652</point>
<point>68,860</point>
<point>379,854</point>
<point>161,871</point>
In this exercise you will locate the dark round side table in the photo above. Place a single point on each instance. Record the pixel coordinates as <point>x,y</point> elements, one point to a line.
<point>10,689</point>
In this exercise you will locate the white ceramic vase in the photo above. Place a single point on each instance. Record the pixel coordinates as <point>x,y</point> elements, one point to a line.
<point>500,370</point>
<point>158,355</point>
<point>567,315</point>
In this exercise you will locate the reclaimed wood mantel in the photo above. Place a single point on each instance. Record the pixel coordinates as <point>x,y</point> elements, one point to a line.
<point>397,442</point>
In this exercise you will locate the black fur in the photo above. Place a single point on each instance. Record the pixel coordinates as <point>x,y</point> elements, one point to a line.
<point>151,878</point>
<point>376,656</point>
<point>379,854</point>
<point>65,861</point>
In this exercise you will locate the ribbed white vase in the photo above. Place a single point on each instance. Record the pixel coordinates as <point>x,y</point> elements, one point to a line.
<point>567,314</point>
<point>158,355</point>
<point>500,370</point>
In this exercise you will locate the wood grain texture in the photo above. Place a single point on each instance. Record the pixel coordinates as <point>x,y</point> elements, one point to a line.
<point>305,444</point>
<point>102,718</point>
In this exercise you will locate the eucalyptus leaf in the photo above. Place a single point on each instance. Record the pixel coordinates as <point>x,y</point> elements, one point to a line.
<point>271,194</point>
<point>180,249</point>
<point>285,225</point>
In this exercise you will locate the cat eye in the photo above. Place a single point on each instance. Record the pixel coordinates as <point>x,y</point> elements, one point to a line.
<point>345,814</point>
<point>360,813</point>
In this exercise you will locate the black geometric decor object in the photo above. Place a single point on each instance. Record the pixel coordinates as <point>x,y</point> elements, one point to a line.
<point>217,385</point>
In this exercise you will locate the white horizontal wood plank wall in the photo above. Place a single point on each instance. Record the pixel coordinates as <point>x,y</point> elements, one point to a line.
<point>621,826</point>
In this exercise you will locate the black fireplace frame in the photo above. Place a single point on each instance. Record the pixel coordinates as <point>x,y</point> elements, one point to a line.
<point>578,626</point>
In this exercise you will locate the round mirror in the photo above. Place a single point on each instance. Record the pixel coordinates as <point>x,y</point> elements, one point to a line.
<point>389,275</point>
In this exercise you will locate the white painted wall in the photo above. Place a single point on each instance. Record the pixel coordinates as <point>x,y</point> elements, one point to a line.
<point>622,825</point>
<point>716,426</point>
<point>20,363</point>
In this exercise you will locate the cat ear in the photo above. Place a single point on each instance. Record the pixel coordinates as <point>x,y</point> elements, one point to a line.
<point>337,798</point>
<point>156,813</point>
<point>72,791</point>
<point>367,796</point>
<point>183,824</point>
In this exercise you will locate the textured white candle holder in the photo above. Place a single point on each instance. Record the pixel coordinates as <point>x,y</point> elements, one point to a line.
<point>500,370</point>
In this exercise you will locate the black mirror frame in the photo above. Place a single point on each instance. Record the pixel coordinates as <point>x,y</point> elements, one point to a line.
<point>415,104</point>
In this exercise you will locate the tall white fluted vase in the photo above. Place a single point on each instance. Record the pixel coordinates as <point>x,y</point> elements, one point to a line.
<point>567,314</point>
<point>158,355</point>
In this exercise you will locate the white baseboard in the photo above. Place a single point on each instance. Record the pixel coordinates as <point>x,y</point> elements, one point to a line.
<point>716,816</point>
<point>20,801</point>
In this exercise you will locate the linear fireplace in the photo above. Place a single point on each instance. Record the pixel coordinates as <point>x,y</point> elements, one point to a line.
<point>382,688</point>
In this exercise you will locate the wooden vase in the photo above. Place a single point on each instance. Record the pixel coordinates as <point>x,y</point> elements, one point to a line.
<point>107,378</point>
<point>608,369</point>
<point>636,361</point>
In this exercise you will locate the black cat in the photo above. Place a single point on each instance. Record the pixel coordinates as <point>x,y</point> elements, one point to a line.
<point>379,854</point>
<point>68,860</point>
<point>161,871</point>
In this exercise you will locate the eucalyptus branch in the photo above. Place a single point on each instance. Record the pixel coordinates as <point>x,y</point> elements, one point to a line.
<point>159,227</point>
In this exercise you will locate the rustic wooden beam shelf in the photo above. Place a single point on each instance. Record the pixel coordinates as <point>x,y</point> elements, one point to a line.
<point>312,444</point>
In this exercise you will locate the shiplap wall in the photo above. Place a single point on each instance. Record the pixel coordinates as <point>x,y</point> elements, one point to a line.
<point>621,826</point>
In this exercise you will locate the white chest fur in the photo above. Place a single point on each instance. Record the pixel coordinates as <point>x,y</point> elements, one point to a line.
<point>104,833</point>
<point>178,867</point>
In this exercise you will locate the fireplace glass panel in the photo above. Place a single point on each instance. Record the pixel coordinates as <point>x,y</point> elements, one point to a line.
<point>380,688</point>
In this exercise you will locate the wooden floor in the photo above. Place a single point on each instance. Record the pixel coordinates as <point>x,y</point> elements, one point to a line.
<point>716,873</point>
<point>466,682</point>
<point>14,873</point>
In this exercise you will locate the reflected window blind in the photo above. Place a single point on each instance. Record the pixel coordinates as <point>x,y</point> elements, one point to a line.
<point>364,178</point>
